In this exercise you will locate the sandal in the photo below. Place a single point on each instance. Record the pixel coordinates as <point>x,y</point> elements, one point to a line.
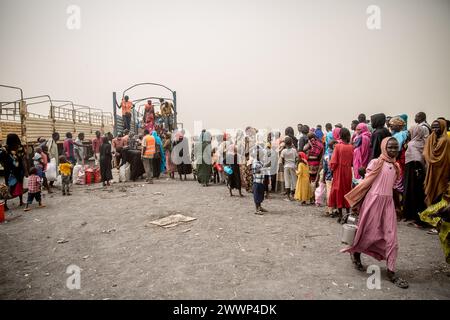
<point>415,225</point>
<point>357,263</point>
<point>399,282</point>
<point>333,214</point>
<point>432,232</point>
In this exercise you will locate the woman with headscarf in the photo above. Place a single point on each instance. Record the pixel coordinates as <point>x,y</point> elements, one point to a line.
<point>181,156</point>
<point>159,160</point>
<point>149,116</point>
<point>380,132</point>
<point>15,164</point>
<point>223,152</point>
<point>337,134</point>
<point>314,150</point>
<point>361,153</point>
<point>239,144</point>
<point>399,132</point>
<point>341,166</point>
<point>376,235</point>
<point>233,180</point>
<point>438,216</point>
<point>106,161</point>
<point>246,171</point>
<point>319,133</point>
<point>167,146</point>
<point>414,196</point>
<point>277,144</point>
<point>204,161</point>
<point>437,157</point>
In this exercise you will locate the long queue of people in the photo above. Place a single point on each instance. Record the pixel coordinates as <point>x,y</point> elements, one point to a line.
<point>382,169</point>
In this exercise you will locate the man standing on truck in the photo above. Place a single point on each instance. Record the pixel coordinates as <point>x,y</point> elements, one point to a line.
<point>126,107</point>
<point>167,111</point>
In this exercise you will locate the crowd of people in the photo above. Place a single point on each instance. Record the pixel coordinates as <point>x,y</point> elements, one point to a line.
<point>382,170</point>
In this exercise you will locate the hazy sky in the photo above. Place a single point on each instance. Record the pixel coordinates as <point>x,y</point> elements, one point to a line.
<point>235,63</point>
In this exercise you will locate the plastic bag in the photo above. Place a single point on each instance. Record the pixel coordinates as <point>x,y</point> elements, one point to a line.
<point>58,181</point>
<point>25,183</point>
<point>51,172</point>
<point>124,173</point>
<point>116,176</point>
<point>77,169</point>
<point>320,194</point>
<point>81,177</point>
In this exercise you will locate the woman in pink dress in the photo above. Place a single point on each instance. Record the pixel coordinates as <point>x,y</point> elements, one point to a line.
<point>361,153</point>
<point>377,227</point>
<point>149,116</point>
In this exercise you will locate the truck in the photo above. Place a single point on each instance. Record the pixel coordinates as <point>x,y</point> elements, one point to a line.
<point>21,117</point>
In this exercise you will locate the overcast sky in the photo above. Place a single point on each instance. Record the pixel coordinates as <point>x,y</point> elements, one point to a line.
<point>235,63</point>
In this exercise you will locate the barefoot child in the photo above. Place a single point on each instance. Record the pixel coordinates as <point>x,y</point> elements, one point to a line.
<point>34,189</point>
<point>303,190</point>
<point>65,169</point>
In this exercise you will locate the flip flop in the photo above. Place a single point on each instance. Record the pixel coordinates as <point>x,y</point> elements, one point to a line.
<point>399,282</point>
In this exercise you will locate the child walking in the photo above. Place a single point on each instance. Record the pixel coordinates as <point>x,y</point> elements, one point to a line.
<point>258,183</point>
<point>376,235</point>
<point>65,168</point>
<point>289,158</point>
<point>303,190</point>
<point>34,189</point>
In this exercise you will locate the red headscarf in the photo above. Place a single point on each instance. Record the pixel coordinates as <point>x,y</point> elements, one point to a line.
<point>303,157</point>
<point>337,134</point>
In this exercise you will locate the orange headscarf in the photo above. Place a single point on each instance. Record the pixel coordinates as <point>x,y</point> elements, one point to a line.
<point>437,156</point>
<point>356,195</point>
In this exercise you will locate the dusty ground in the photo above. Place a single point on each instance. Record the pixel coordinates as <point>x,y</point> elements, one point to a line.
<point>227,253</point>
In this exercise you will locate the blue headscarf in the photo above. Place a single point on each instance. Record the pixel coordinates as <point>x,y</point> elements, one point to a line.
<point>319,134</point>
<point>404,117</point>
<point>328,138</point>
<point>163,156</point>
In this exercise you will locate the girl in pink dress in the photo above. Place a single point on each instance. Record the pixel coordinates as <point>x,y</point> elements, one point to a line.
<point>377,228</point>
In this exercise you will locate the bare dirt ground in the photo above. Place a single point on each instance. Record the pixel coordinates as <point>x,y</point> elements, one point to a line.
<point>292,252</point>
